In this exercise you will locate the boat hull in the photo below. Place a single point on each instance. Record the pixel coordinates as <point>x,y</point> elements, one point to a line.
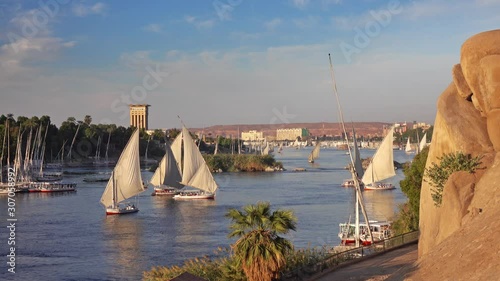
<point>350,183</point>
<point>122,211</point>
<point>52,187</point>
<point>57,190</point>
<point>165,192</point>
<point>379,186</point>
<point>194,196</point>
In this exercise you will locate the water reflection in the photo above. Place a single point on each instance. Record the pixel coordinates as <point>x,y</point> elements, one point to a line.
<point>122,241</point>
<point>379,204</point>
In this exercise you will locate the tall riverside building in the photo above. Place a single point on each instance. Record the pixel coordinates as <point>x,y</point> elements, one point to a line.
<point>139,115</point>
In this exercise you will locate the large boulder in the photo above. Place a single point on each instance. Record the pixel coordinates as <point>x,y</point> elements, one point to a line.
<point>468,121</point>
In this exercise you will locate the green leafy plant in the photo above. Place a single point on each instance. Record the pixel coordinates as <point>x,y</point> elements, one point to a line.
<point>260,250</point>
<point>408,217</point>
<point>437,175</point>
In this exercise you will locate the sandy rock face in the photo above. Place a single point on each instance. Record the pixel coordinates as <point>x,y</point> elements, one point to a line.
<point>468,121</point>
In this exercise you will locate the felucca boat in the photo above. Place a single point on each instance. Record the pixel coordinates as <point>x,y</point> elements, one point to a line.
<point>167,177</point>
<point>382,166</point>
<point>125,180</point>
<point>195,172</point>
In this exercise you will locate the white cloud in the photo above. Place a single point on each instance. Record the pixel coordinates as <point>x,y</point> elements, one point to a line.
<point>422,9</point>
<point>82,10</point>
<point>190,19</point>
<point>206,24</point>
<point>200,24</point>
<point>272,24</point>
<point>245,35</point>
<point>300,3</point>
<point>329,2</point>
<point>24,49</point>
<point>307,22</point>
<point>153,27</point>
<point>246,85</point>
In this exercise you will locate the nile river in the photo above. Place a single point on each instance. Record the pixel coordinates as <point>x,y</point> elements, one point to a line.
<point>68,236</point>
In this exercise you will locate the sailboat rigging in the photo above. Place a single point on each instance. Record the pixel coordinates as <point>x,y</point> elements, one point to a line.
<point>344,235</point>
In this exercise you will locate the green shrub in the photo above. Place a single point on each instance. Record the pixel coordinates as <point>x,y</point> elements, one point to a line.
<point>240,162</point>
<point>220,268</point>
<point>437,175</point>
<point>408,217</point>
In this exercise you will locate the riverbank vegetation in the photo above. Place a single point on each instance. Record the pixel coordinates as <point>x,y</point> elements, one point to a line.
<point>83,141</point>
<point>242,163</point>
<point>260,253</point>
<point>408,217</point>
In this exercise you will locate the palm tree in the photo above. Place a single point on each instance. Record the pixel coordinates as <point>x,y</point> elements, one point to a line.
<point>259,249</point>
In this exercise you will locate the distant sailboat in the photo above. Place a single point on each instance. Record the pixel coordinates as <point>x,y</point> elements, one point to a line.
<point>314,153</point>
<point>423,142</point>
<point>358,164</point>
<point>125,180</point>
<point>167,176</point>
<point>382,166</point>
<point>265,150</point>
<point>408,149</point>
<point>195,171</point>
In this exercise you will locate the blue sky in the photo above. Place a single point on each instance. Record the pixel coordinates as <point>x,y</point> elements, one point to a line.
<point>233,61</point>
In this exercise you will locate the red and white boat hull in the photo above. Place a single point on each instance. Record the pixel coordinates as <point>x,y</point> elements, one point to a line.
<point>164,192</point>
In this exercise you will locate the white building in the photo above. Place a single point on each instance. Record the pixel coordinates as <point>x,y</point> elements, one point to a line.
<point>252,136</point>
<point>291,134</point>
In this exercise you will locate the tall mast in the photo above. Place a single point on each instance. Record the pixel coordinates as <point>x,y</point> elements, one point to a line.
<point>238,139</point>
<point>114,190</point>
<point>359,197</point>
<point>107,146</point>
<point>73,142</point>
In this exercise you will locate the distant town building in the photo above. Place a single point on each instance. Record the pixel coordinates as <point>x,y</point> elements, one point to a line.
<point>291,134</point>
<point>400,128</point>
<point>252,136</point>
<point>139,115</point>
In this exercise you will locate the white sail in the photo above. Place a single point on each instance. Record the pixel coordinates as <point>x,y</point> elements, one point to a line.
<point>196,172</point>
<point>315,152</point>
<point>125,180</point>
<point>167,172</point>
<point>216,145</point>
<point>382,165</point>
<point>408,146</point>
<point>423,142</point>
<point>176,148</point>
<point>265,150</point>
<point>358,165</point>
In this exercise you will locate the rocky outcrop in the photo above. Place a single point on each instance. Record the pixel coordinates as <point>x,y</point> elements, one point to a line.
<point>454,235</point>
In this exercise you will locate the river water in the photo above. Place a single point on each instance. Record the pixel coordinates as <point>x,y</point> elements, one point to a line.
<point>67,236</point>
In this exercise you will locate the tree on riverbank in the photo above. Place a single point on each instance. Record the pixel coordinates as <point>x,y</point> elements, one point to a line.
<point>259,249</point>
<point>408,217</point>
